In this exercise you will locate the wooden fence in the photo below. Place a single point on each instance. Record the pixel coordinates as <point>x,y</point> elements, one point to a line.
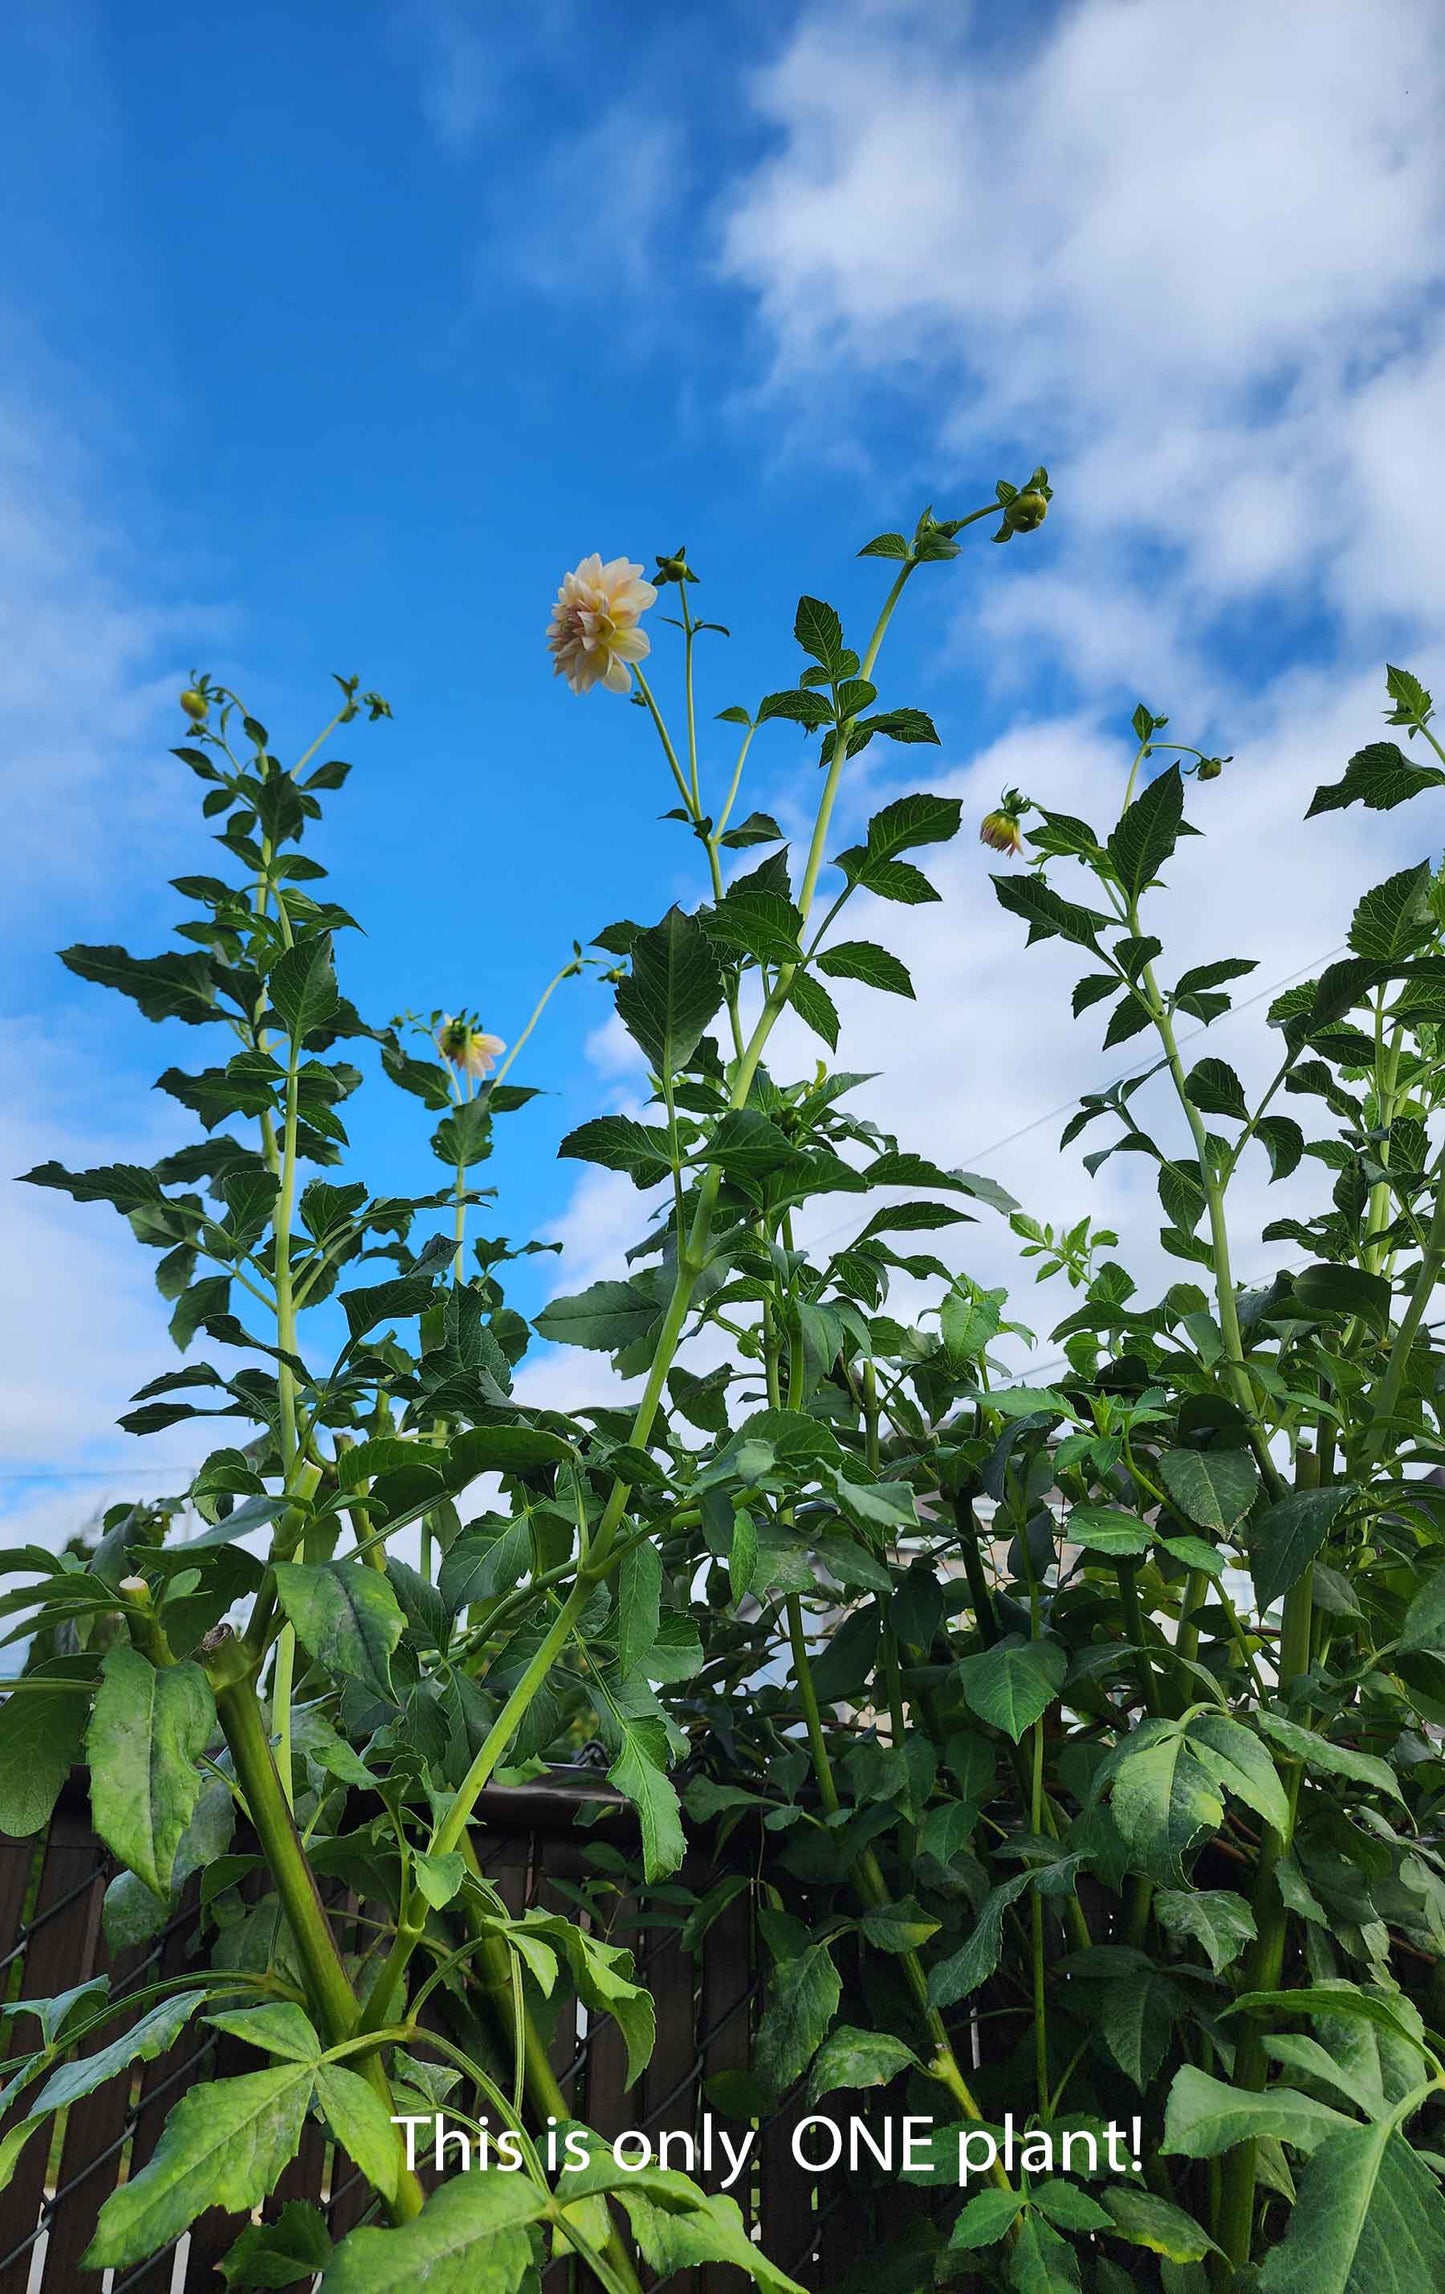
<point>51,1938</point>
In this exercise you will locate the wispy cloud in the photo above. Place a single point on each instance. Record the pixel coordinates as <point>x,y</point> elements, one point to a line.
<point>1194,259</point>
<point>84,677</point>
<point>1195,254</point>
<point>86,784</point>
<point>591,222</point>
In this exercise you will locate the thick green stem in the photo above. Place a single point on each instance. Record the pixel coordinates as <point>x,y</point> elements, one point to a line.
<point>974,1571</point>
<point>1134,1625</point>
<point>450,1832</point>
<point>1196,1585</point>
<point>1265,1965</point>
<point>328,1987</point>
<point>1382,1410</point>
<point>283,1674</point>
<point>692,1257</point>
<point>493,1963</point>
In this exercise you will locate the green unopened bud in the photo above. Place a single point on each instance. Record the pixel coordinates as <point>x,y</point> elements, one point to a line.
<point>1210,768</point>
<point>1026,511</point>
<point>674,568</point>
<point>195,704</point>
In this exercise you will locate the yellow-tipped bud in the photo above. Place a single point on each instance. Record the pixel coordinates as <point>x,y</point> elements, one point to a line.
<point>1002,829</point>
<point>196,706</point>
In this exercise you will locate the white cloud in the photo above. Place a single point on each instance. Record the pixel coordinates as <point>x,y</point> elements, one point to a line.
<point>590,220</point>
<point>81,687</point>
<point>1193,258</point>
<point>1194,253</point>
<point>581,214</point>
<point>87,787</point>
<point>84,1325</point>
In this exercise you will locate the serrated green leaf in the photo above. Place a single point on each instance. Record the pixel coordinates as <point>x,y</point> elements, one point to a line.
<point>619,1143</point>
<point>470,2238</point>
<point>639,1603</point>
<point>224,2144</point>
<point>849,2057</point>
<point>865,960</point>
<point>41,1735</point>
<point>1234,1755</point>
<point>302,987</point>
<point>286,2252</point>
<point>1215,1918</point>
<point>803,1996</point>
<point>279,2028</point>
<point>1205,2117</point>
<point>650,1789</point>
<point>819,631</point>
<point>911,821</point>
<point>975,1960</point>
<point>1014,1682</point>
<point>1164,1801</point>
<point>1424,1626</point>
<point>1148,832</point>
<point>1328,1759</point>
<point>346,1615</point>
<point>1108,1529</point>
<point>1380,776</point>
<point>359,2120</point>
<point>1145,2219</point>
<point>672,990</point>
<point>154,2034</point>
<point>1284,1540</point>
<point>606,1317</point>
<point>1215,1488</point>
<point>1369,2220</point>
<point>148,1730</point>
<point>1214,1088</point>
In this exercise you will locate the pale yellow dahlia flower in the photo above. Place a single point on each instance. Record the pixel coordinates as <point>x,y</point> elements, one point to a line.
<point>467,1048</point>
<point>593,633</point>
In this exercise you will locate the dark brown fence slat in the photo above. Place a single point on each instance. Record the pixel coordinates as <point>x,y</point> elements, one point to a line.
<point>95,2129</point>
<point>668,2091</point>
<point>18,1862</point>
<point>725,2017</point>
<point>531,1852</point>
<point>560,1858</point>
<point>786,2196</point>
<point>60,1953</point>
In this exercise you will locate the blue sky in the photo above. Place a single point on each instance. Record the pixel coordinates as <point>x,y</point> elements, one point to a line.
<point>333,336</point>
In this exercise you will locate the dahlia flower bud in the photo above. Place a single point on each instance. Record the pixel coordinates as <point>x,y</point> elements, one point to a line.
<point>466,1048</point>
<point>195,704</point>
<point>593,634</point>
<point>675,568</point>
<point>1026,512</point>
<point>1210,768</point>
<point>1002,829</point>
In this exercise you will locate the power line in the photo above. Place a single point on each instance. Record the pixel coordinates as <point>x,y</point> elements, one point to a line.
<point>88,1474</point>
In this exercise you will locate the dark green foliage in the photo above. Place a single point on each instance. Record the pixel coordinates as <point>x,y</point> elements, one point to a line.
<point>1080,1718</point>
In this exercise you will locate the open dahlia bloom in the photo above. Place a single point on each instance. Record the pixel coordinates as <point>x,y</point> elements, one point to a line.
<point>468,1049</point>
<point>593,633</point>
